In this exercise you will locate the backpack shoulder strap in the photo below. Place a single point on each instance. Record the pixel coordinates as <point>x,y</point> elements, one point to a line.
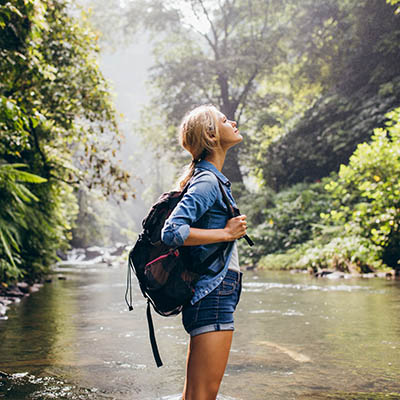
<point>232,212</point>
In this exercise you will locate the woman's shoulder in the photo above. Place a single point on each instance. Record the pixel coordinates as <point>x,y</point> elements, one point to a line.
<point>203,175</point>
<point>204,180</point>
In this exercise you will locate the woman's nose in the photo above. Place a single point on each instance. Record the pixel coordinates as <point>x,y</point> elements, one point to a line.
<point>234,123</point>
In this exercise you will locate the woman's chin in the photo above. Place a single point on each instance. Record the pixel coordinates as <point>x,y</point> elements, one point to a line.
<point>238,139</point>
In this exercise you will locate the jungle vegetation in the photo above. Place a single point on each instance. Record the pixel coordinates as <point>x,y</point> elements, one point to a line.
<point>58,131</point>
<point>314,89</point>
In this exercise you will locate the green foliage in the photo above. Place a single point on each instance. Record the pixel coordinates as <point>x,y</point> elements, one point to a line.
<point>347,254</point>
<point>345,49</point>
<point>360,229</point>
<point>367,192</point>
<point>51,77</point>
<point>343,253</point>
<point>57,119</point>
<point>328,135</point>
<point>393,3</point>
<point>282,220</point>
<point>49,222</point>
<point>15,197</point>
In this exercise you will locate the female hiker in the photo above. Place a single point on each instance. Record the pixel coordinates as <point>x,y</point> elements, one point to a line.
<point>200,220</point>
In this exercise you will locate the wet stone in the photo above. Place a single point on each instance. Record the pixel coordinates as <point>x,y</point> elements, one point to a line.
<point>4,301</point>
<point>118,251</point>
<point>93,252</point>
<point>3,310</point>
<point>4,375</point>
<point>34,288</point>
<point>23,287</point>
<point>14,291</point>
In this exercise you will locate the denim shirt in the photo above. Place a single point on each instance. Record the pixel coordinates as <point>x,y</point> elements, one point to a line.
<point>203,207</point>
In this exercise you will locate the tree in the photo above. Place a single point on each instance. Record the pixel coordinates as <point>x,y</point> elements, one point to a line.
<point>208,52</point>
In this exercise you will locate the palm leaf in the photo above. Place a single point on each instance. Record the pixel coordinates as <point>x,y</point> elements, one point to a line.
<point>22,176</point>
<point>7,248</point>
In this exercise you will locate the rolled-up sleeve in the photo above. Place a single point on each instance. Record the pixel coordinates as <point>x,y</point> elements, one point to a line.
<point>201,195</point>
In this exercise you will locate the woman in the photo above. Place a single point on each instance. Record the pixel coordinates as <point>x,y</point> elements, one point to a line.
<point>201,221</point>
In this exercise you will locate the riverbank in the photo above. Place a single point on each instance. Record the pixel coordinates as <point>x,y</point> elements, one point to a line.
<point>335,274</point>
<point>293,262</point>
<point>11,294</point>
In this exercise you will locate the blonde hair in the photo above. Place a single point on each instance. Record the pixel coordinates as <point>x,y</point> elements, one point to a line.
<point>199,135</point>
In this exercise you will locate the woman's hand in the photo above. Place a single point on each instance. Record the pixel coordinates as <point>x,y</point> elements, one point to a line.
<point>236,227</point>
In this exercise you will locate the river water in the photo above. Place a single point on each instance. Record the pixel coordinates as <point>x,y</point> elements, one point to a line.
<point>296,337</point>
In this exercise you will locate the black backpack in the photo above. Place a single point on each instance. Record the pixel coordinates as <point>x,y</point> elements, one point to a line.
<point>167,275</point>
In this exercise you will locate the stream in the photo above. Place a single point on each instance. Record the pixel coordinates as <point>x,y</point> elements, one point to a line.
<point>297,337</point>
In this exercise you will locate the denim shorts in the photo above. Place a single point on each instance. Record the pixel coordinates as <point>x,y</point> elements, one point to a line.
<point>214,312</point>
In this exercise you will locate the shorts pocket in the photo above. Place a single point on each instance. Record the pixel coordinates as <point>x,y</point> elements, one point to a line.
<point>227,287</point>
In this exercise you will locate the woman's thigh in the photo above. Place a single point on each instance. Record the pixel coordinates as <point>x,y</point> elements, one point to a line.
<point>206,362</point>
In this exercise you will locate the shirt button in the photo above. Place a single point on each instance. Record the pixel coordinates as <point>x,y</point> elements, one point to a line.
<point>206,291</point>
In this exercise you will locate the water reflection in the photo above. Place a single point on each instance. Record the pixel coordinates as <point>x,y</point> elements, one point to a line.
<point>296,338</point>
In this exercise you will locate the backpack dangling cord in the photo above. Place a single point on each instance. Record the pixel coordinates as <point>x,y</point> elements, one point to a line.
<point>129,286</point>
<point>152,335</point>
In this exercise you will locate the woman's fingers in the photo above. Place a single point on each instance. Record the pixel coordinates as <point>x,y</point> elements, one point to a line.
<point>236,227</point>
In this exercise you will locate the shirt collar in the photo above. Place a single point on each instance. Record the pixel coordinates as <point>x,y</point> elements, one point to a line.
<point>203,164</point>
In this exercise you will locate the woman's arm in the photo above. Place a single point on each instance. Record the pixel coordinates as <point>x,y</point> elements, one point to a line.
<point>235,228</point>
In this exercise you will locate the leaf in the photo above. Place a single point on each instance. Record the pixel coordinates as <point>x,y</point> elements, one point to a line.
<point>24,176</point>
<point>6,247</point>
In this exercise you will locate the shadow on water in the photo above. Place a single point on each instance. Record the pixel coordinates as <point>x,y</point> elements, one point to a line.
<point>296,338</point>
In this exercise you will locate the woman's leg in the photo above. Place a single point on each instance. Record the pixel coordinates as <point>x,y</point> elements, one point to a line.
<point>205,366</point>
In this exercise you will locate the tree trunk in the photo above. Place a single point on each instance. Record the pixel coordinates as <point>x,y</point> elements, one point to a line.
<point>231,167</point>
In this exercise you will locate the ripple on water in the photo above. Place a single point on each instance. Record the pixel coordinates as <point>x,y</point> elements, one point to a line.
<point>121,364</point>
<point>281,312</point>
<point>261,286</point>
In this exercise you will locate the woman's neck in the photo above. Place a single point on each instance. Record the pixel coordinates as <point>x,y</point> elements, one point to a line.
<point>217,158</point>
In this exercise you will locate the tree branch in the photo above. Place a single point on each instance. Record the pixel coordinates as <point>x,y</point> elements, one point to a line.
<point>246,89</point>
<point>205,36</point>
<point>210,22</point>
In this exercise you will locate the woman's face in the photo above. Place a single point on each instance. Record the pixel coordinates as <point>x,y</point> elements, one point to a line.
<point>228,133</point>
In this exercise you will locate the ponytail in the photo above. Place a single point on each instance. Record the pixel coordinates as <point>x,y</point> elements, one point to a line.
<point>189,172</point>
